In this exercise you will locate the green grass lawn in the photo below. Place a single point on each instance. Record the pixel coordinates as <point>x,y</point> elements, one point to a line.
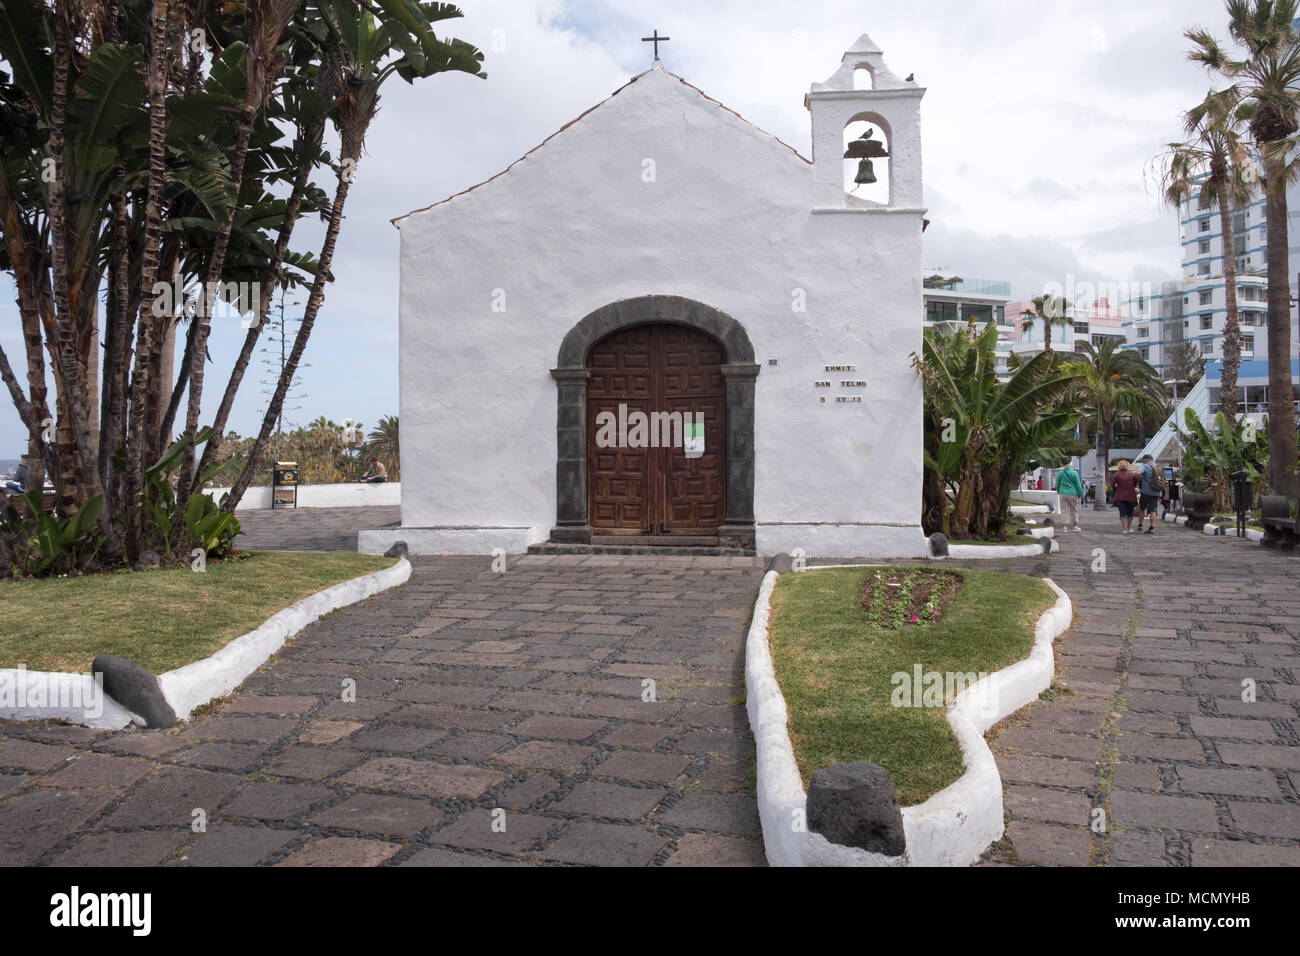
<point>835,671</point>
<point>160,619</point>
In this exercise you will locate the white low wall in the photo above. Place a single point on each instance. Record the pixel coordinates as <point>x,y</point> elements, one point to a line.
<point>79,698</point>
<point>1049,498</point>
<point>954,826</point>
<point>450,540</point>
<point>353,495</point>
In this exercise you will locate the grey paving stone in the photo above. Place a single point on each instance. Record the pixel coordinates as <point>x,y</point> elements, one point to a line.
<point>400,817</point>
<point>599,799</point>
<point>603,844</point>
<point>235,845</point>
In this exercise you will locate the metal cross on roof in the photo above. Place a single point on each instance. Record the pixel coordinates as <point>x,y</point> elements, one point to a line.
<point>656,40</point>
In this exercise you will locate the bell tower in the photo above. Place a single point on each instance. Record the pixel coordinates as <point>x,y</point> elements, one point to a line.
<point>888,111</point>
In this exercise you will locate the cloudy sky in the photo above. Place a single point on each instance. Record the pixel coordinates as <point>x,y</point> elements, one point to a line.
<point>1038,125</point>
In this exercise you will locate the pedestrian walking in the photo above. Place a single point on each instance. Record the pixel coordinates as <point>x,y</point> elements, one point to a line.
<point>1150,486</point>
<point>1124,493</point>
<point>1069,489</point>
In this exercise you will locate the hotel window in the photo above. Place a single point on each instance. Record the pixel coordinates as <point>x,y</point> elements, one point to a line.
<point>1248,343</point>
<point>1081,328</point>
<point>1206,296</point>
<point>1203,225</point>
<point>1207,347</point>
<point>1143,331</point>
<point>1146,354</point>
<point>1207,322</point>
<point>1205,247</point>
<point>1202,268</point>
<point>941,311</point>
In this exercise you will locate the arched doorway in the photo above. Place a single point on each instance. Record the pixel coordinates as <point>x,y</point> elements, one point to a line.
<point>656,426</point>
<point>689,497</point>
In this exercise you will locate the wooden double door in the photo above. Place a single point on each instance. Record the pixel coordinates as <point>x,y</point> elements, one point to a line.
<point>656,369</point>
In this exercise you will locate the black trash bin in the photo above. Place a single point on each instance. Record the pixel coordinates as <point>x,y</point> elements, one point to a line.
<point>1242,490</point>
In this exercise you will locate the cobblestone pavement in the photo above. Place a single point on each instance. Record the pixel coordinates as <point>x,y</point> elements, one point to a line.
<point>498,719</point>
<point>1150,725</point>
<point>522,692</point>
<point>311,529</point>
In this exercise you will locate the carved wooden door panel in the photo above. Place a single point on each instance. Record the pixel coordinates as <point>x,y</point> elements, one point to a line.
<point>635,487</point>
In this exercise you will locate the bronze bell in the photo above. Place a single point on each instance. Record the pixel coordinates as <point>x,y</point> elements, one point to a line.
<point>865,173</point>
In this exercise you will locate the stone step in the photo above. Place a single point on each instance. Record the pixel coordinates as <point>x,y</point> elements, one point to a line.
<point>661,550</point>
<point>656,540</point>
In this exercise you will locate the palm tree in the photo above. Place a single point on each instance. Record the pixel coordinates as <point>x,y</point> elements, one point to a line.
<point>357,59</point>
<point>383,443</point>
<point>136,464</point>
<point>267,21</point>
<point>1268,80</point>
<point>1110,381</point>
<point>1050,310</point>
<point>1214,157</point>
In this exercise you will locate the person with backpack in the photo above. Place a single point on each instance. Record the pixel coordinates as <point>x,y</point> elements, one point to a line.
<point>1069,488</point>
<point>1151,487</point>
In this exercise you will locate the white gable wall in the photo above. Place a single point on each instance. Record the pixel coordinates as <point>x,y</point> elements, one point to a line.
<point>728,221</point>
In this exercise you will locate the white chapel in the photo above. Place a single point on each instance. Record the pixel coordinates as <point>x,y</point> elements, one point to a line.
<point>664,326</point>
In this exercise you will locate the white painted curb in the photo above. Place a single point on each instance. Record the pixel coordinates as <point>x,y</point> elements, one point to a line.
<point>1229,531</point>
<point>194,685</point>
<point>955,825</point>
<point>989,551</point>
<point>1030,510</point>
<point>75,698</point>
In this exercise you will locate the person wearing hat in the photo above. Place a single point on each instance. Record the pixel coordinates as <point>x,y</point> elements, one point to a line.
<point>1149,503</point>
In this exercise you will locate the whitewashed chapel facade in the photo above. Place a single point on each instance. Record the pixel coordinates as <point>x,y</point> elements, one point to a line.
<point>661,255</point>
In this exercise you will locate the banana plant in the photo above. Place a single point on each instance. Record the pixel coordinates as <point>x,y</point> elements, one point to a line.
<point>1211,455</point>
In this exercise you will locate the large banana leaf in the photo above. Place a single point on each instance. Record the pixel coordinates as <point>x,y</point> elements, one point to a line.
<point>24,45</point>
<point>108,100</point>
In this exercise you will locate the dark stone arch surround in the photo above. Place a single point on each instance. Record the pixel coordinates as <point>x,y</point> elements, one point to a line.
<point>571,377</point>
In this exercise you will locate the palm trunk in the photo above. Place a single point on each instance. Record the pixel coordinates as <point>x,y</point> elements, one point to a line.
<point>1103,461</point>
<point>266,23</point>
<point>24,270</point>
<point>78,478</point>
<point>1231,327</point>
<point>119,326</point>
<point>202,321</point>
<point>299,344</point>
<point>134,497</point>
<point>1281,392</point>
